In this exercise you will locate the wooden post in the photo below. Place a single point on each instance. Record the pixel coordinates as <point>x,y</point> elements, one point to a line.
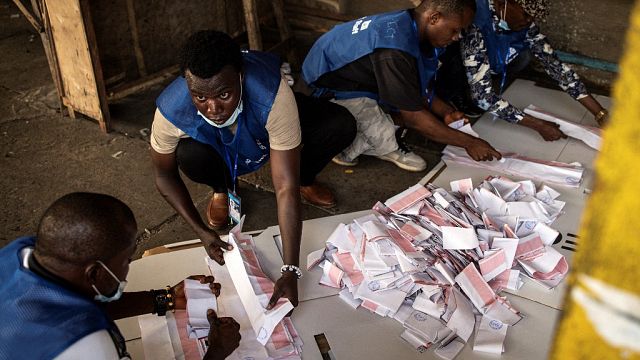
<point>253,24</point>
<point>133,25</point>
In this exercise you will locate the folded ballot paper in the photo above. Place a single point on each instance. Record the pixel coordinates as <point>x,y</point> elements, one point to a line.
<point>437,260</point>
<point>587,134</point>
<point>552,172</point>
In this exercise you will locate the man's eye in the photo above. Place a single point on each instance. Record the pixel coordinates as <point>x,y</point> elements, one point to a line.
<point>200,98</point>
<point>224,95</point>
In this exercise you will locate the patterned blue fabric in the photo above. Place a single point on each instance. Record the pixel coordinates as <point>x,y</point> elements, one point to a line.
<point>476,60</point>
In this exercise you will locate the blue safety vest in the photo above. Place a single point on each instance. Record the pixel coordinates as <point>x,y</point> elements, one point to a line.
<point>40,319</point>
<point>348,42</point>
<point>502,47</point>
<point>250,144</point>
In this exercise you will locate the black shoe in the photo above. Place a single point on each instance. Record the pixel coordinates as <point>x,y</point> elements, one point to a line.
<point>467,107</point>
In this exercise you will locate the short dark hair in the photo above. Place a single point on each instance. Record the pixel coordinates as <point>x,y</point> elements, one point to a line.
<point>206,52</point>
<point>80,228</point>
<point>447,6</point>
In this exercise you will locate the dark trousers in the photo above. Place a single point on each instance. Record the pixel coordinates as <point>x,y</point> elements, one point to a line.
<point>327,129</point>
<point>451,80</point>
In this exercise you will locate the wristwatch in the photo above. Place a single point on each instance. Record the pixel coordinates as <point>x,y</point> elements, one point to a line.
<point>162,301</point>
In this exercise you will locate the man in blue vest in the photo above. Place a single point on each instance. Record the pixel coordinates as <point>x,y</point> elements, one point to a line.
<point>502,42</point>
<point>228,114</point>
<point>387,62</point>
<point>63,289</point>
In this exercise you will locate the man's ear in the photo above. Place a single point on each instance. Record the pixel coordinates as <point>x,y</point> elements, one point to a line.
<point>91,273</point>
<point>435,17</point>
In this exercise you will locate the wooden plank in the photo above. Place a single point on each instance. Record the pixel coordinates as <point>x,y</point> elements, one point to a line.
<point>253,24</point>
<point>97,66</point>
<point>133,26</point>
<point>79,85</point>
<point>47,43</point>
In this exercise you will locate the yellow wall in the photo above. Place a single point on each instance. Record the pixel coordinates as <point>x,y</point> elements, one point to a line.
<point>610,237</point>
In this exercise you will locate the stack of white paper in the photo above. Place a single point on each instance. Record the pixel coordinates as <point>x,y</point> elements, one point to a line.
<point>431,258</point>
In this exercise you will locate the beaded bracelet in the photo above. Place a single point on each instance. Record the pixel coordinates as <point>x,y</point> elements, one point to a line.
<point>291,268</point>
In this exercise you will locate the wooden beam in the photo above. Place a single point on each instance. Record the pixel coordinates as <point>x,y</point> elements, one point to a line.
<point>252,24</point>
<point>125,90</point>
<point>35,23</point>
<point>133,25</point>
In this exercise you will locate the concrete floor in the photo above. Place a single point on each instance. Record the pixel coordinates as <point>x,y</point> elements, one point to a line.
<point>44,155</point>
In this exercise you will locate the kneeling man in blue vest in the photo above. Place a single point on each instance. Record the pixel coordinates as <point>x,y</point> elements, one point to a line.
<point>63,289</point>
<point>228,114</point>
<point>382,68</point>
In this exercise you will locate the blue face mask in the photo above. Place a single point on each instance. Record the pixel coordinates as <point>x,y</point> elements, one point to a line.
<point>232,119</point>
<point>117,295</point>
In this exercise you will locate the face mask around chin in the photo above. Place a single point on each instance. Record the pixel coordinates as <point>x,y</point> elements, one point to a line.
<point>232,119</point>
<point>121,285</point>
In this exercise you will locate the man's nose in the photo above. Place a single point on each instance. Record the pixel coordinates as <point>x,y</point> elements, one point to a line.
<point>213,107</point>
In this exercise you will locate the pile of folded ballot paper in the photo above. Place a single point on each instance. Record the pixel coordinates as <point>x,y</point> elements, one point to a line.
<point>436,260</point>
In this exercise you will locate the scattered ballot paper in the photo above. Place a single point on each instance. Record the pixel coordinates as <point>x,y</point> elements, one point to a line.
<point>432,259</point>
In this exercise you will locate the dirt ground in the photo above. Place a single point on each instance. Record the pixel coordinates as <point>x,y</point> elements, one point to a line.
<point>44,155</point>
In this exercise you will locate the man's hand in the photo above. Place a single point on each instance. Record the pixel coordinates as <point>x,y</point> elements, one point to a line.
<point>455,116</point>
<point>214,246</point>
<point>180,300</point>
<point>286,286</point>
<point>548,130</point>
<point>224,336</point>
<point>480,150</point>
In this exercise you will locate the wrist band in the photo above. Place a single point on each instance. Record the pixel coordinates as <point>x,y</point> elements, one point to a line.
<point>291,268</point>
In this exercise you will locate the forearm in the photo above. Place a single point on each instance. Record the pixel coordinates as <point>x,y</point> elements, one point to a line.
<point>290,221</point>
<point>591,104</point>
<point>176,194</point>
<point>441,108</point>
<point>430,127</point>
<point>131,304</point>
